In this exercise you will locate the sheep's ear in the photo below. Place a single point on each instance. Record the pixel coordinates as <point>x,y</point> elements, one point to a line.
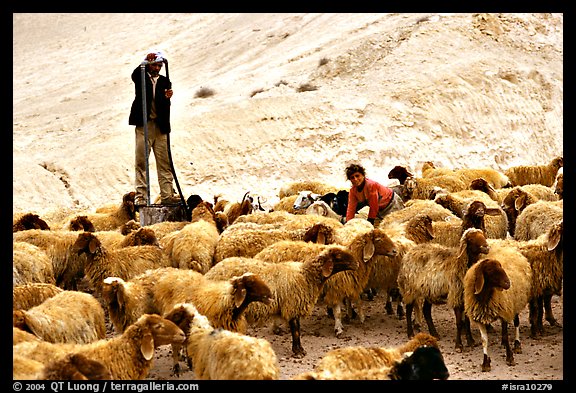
<point>553,240</point>
<point>327,268</point>
<point>520,202</point>
<point>147,346</point>
<point>321,238</point>
<point>492,211</point>
<point>430,231</point>
<point>92,246</point>
<point>239,295</point>
<point>368,250</point>
<point>479,282</point>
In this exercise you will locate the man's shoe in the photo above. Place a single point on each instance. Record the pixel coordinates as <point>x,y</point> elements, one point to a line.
<point>173,200</point>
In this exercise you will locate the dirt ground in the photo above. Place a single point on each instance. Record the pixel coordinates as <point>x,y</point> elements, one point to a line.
<point>540,359</point>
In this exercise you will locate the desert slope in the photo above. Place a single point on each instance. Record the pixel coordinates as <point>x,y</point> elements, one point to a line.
<point>458,89</point>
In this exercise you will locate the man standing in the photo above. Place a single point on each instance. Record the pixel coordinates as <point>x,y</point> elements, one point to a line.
<point>158,94</point>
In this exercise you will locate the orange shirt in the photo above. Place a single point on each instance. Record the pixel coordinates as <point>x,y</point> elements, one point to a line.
<point>376,195</point>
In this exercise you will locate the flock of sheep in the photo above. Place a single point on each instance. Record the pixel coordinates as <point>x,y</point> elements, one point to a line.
<point>94,293</point>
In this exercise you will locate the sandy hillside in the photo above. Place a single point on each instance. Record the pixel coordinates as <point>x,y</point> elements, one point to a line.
<point>296,96</point>
<point>457,89</point>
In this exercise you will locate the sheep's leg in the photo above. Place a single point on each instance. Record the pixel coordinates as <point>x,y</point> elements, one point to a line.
<point>409,328</point>
<point>338,328</point>
<point>459,315</point>
<point>350,311</point>
<point>400,310</point>
<point>388,307</point>
<point>427,311</point>
<point>360,307</point>
<point>395,296</point>
<point>540,317</point>
<point>297,349</point>
<point>277,327</point>
<point>533,316</point>
<point>517,344</point>
<point>484,335</point>
<point>506,344</point>
<point>462,321</point>
<point>176,348</point>
<point>548,310</point>
<point>418,317</point>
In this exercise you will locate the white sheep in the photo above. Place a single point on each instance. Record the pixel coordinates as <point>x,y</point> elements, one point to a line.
<point>128,356</point>
<point>112,220</point>
<point>30,264</point>
<point>287,204</point>
<point>295,286</point>
<point>125,263</point>
<point>26,296</point>
<point>220,354</point>
<point>66,317</point>
<point>304,199</point>
<point>73,366</point>
<point>434,273</point>
<point>535,174</point>
<point>498,289</point>
<point>536,218</point>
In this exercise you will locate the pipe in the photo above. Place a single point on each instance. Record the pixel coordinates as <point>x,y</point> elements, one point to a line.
<point>145,120</point>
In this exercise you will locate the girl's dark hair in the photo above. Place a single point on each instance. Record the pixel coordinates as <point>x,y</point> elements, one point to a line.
<point>353,168</point>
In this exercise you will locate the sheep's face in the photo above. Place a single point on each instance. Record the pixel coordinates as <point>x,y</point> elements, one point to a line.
<point>86,243</point>
<point>383,245</point>
<point>400,173</point>
<point>425,363</point>
<point>476,242</point>
<point>161,330</point>
<point>476,209</point>
<point>490,274</point>
<point>305,199</point>
<point>253,289</point>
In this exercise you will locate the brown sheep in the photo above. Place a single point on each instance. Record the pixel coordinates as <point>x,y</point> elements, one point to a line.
<point>29,221</point>
<point>535,174</point>
<point>435,273</point>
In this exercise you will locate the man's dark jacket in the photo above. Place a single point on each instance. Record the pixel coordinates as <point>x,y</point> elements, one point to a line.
<point>162,103</point>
